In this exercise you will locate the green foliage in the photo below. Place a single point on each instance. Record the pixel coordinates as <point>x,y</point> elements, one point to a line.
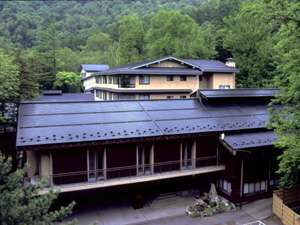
<point>21,204</point>
<point>9,77</point>
<point>131,39</point>
<point>248,35</point>
<point>286,120</point>
<point>186,39</point>
<point>68,82</point>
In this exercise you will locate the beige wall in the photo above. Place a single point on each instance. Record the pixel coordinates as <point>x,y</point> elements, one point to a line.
<point>221,79</point>
<point>160,82</point>
<point>89,83</point>
<point>168,64</point>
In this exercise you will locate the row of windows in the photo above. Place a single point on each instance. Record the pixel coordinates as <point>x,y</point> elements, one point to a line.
<point>251,188</point>
<point>106,95</point>
<point>172,97</point>
<point>143,79</point>
<point>225,186</point>
<point>106,80</point>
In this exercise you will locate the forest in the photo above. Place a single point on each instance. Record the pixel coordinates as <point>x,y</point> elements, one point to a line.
<point>43,43</point>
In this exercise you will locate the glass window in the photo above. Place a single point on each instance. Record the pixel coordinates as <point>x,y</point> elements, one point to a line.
<point>144,96</point>
<point>224,86</point>
<point>115,80</point>
<point>104,80</point>
<point>110,80</point>
<point>170,97</point>
<point>246,188</point>
<point>144,79</point>
<point>97,80</point>
<point>182,78</point>
<point>170,78</point>
<point>183,96</point>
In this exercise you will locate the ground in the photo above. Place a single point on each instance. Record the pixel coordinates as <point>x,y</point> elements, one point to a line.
<point>169,210</point>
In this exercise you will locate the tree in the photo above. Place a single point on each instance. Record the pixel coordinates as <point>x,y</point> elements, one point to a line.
<point>248,35</point>
<point>22,204</point>
<point>47,47</point>
<point>286,119</point>
<point>172,33</point>
<point>29,85</point>
<point>131,39</point>
<point>10,82</point>
<point>68,82</point>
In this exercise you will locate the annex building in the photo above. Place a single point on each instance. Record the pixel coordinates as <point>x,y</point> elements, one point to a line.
<point>218,136</point>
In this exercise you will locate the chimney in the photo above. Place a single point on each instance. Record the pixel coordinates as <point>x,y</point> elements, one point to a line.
<point>229,62</point>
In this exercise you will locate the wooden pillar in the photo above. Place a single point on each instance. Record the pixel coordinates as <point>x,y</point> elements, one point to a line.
<point>181,155</point>
<point>242,179</point>
<point>104,164</point>
<point>152,158</point>
<point>194,155</point>
<point>137,160</point>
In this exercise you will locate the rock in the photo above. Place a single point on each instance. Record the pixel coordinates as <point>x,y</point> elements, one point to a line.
<point>212,195</point>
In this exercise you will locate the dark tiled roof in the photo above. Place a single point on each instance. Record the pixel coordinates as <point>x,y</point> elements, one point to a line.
<point>249,140</point>
<point>70,97</point>
<point>126,90</point>
<point>94,67</point>
<point>196,67</point>
<point>55,123</point>
<point>212,65</point>
<point>237,93</point>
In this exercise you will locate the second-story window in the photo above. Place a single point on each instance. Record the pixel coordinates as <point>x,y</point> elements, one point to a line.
<point>170,78</point>
<point>182,78</point>
<point>104,80</point>
<point>98,80</point>
<point>144,79</point>
<point>224,86</point>
<point>115,80</point>
<point>110,80</point>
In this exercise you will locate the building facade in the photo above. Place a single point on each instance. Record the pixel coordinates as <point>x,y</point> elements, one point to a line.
<point>164,78</point>
<point>220,137</point>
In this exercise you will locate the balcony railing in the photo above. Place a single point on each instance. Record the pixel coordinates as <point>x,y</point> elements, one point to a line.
<point>100,175</point>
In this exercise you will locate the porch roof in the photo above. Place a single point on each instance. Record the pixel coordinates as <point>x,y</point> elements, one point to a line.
<point>238,93</point>
<point>248,140</point>
<point>44,123</point>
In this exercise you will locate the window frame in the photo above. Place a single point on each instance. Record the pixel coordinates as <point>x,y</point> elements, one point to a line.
<point>183,78</point>
<point>142,79</point>
<point>170,78</point>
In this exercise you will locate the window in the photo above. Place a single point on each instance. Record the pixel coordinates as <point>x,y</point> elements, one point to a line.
<point>95,165</point>
<point>144,159</point>
<point>98,93</point>
<point>98,80</point>
<point>104,95</point>
<point>170,78</point>
<point>186,155</point>
<point>115,80</point>
<point>225,186</point>
<point>183,96</point>
<point>104,80</point>
<point>170,97</point>
<point>144,79</point>
<point>182,78</point>
<point>255,187</point>
<point>224,86</point>
<point>144,96</point>
<point>110,80</point>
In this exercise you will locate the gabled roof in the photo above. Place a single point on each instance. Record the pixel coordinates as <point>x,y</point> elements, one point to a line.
<point>238,93</point>
<point>249,140</point>
<point>212,65</point>
<point>195,67</point>
<point>94,67</point>
<point>48,123</point>
<point>185,62</point>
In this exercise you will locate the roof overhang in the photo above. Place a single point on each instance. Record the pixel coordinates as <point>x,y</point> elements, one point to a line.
<point>166,59</point>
